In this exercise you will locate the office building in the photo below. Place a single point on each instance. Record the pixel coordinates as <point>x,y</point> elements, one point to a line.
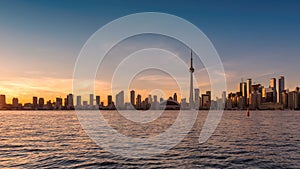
<point>244,89</point>
<point>253,100</point>
<point>109,101</point>
<point>58,103</point>
<point>34,103</point>
<point>85,104</point>
<point>224,99</point>
<point>70,101</point>
<point>281,88</point>
<point>150,99</point>
<point>273,87</point>
<point>2,101</point>
<point>49,105</point>
<point>155,104</point>
<point>138,101</point>
<point>155,98</point>
<point>249,89</point>
<point>132,97</point>
<point>91,100</point>
<point>197,103</point>
<point>284,99</point>
<point>41,103</point>
<point>15,103</point>
<point>120,100</point>
<point>78,101</point>
<point>206,101</point>
<point>293,100</point>
<point>209,95</point>
<point>98,101</point>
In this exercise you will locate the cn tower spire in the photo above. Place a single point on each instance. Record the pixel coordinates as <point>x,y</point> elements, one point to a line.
<point>191,101</point>
<point>192,68</point>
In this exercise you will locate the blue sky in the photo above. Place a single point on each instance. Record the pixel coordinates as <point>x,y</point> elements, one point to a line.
<point>42,39</point>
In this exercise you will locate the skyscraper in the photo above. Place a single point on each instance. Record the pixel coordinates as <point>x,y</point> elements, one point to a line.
<point>205,101</point>
<point>78,101</point>
<point>150,98</point>
<point>209,94</point>
<point>138,101</point>
<point>197,102</point>
<point>2,101</point>
<point>155,98</point>
<point>273,83</point>
<point>191,82</point>
<point>70,101</point>
<point>34,102</point>
<point>281,87</point>
<point>249,88</point>
<point>224,98</point>
<point>65,102</point>
<point>109,100</point>
<point>281,83</point>
<point>15,102</point>
<point>240,88</point>
<point>120,100</point>
<point>244,89</point>
<point>41,103</point>
<point>58,103</point>
<point>91,99</point>
<point>273,86</point>
<point>98,101</point>
<point>155,104</point>
<point>132,97</point>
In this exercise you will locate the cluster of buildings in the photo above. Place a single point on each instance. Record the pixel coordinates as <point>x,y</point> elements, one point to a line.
<point>252,96</point>
<point>136,102</point>
<point>94,103</point>
<point>248,96</point>
<point>258,97</point>
<point>37,104</point>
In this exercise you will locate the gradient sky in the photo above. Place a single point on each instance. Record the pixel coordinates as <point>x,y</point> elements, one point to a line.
<point>40,40</point>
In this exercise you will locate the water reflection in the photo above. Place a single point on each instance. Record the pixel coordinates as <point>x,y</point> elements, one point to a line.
<point>55,139</point>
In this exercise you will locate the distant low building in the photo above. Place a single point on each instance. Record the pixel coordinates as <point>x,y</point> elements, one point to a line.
<point>28,106</point>
<point>271,106</point>
<point>170,104</point>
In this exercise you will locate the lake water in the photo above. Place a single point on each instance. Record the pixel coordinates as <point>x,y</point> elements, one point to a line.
<point>55,139</point>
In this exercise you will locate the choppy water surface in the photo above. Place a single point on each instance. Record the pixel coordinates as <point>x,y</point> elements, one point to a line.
<point>49,139</point>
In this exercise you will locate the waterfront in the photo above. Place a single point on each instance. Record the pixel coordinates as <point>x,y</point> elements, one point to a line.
<point>49,139</point>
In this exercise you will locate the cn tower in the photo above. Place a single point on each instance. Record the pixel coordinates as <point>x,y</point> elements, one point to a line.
<point>191,83</point>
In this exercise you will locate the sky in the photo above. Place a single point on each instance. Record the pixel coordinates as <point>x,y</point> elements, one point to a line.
<point>41,40</point>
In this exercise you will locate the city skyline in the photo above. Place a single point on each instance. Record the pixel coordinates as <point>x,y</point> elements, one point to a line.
<point>247,95</point>
<point>40,42</point>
